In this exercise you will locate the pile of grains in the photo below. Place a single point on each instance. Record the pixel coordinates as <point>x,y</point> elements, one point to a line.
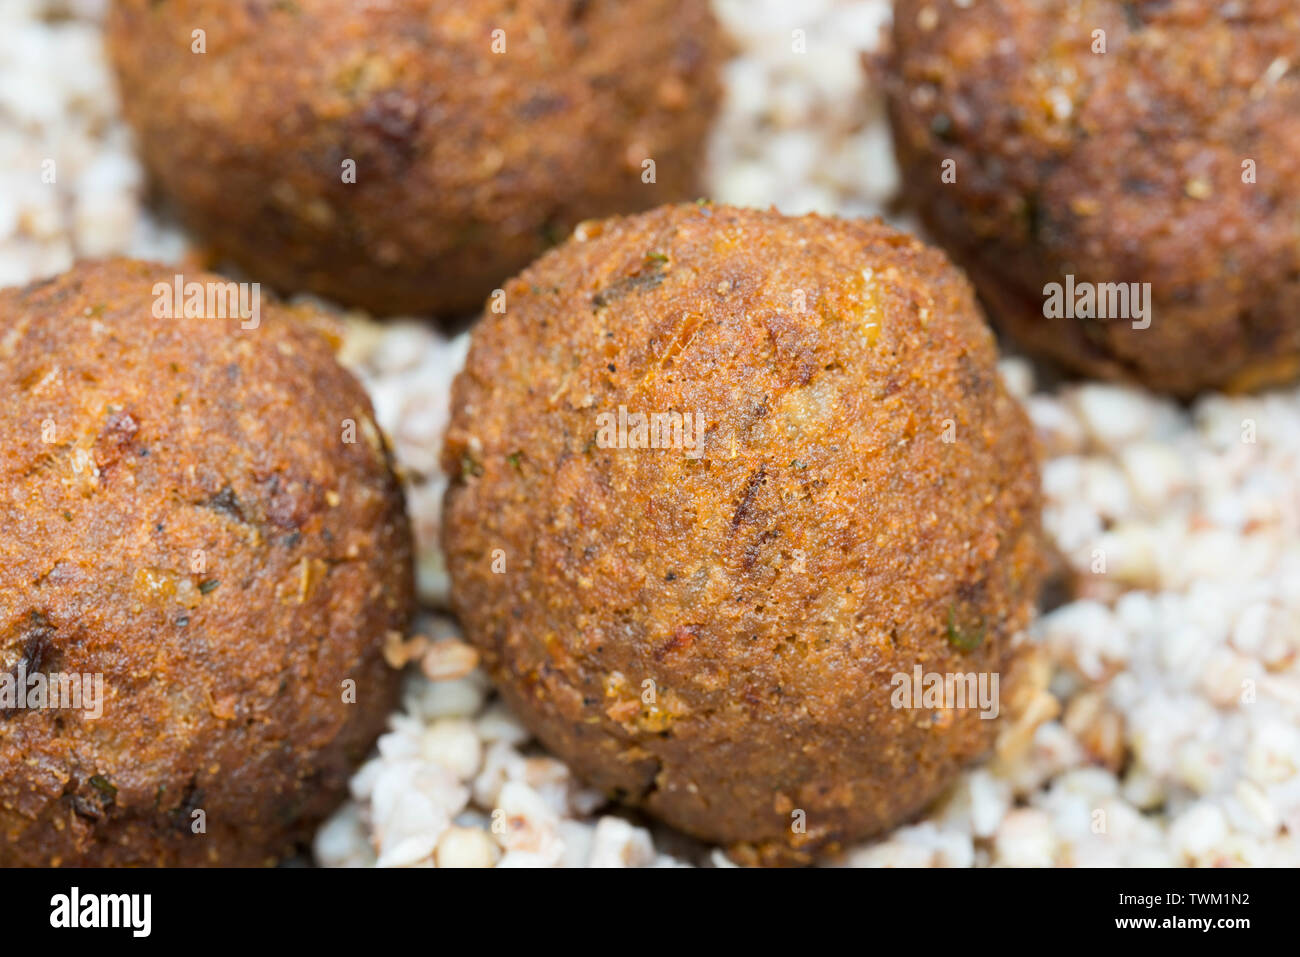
<point>1171,733</point>
<point>407,368</point>
<point>70,187</point>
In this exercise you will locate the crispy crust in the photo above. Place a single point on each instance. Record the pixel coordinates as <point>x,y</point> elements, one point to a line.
<point>469,163</point>
<point>130,446</point>
<point>1117,167</point>
<point>825,540</point>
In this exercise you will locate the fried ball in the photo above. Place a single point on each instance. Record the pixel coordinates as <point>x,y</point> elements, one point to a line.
<point>707,621</point>
<point>183,513</point>
<point>1115,143</point>
<point>409,156</point>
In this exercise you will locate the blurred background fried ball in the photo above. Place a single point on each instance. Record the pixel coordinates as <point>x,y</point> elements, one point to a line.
<point>408,156</point>
<point>182,514</point>
<point>1118,143</point>
<point>710,627</point>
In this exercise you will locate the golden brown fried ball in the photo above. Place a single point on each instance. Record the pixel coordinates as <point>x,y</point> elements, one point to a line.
<point>1171,158</point>
<point>480,132</point>
<point>181,512</point>
<point>710,629</point>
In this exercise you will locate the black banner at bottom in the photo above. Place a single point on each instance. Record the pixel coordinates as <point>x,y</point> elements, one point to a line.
<point>332,908</point>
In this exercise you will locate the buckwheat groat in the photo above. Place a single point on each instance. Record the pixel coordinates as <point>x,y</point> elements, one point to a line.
<point>1171,158</point>
<point>480,133</point>
<point>707,622</point>
<point>183,514</point>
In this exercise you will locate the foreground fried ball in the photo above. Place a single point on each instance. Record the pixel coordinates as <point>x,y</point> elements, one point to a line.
<point>1171,158</point>
<point>181,512</point>
<point>710,629</point>
<point>479,133</point>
